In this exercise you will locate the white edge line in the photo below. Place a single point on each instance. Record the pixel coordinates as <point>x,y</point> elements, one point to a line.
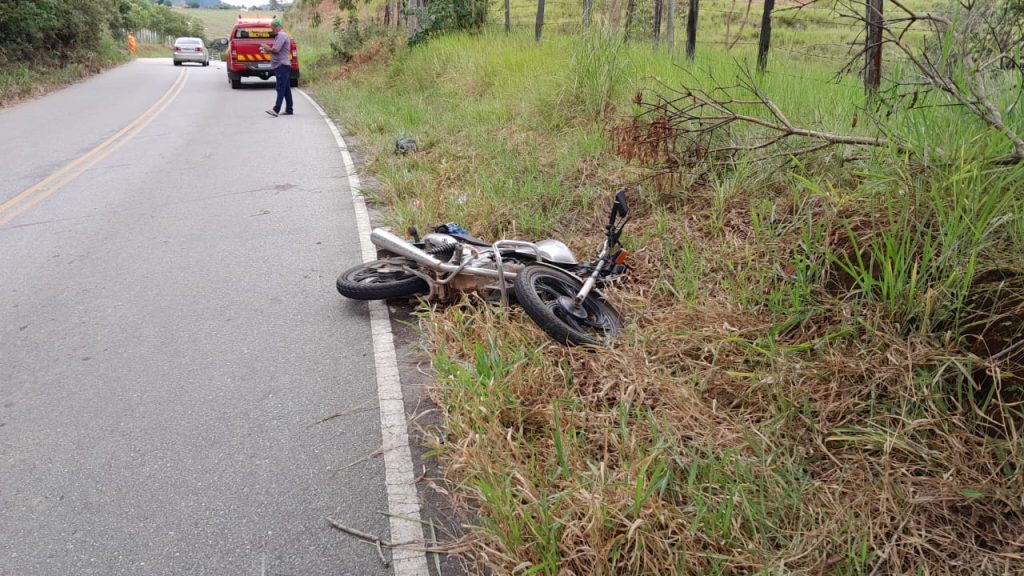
<point>403,501</point>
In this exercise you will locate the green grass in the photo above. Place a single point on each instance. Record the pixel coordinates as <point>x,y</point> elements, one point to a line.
<point>218,23</point>
<point>794,391</point>
<point>26,81</point>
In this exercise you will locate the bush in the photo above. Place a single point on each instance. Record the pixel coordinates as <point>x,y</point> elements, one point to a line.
<point>347,39</point>
<point>448,15</point>
<point>54,31</point>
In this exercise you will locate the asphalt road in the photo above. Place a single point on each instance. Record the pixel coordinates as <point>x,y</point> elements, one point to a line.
<point>170,335</point>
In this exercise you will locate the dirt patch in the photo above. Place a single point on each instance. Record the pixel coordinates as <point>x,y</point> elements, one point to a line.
<point>378,51</point>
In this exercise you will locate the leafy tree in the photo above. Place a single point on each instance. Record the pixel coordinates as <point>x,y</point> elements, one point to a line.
<point>51,32</point>
<point>34,30</point>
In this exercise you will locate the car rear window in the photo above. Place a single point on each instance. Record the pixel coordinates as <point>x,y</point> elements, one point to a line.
<point>253,33</point>
<point>193,41</point>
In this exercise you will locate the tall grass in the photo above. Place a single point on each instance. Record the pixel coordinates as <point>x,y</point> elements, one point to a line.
<point>792,393</point>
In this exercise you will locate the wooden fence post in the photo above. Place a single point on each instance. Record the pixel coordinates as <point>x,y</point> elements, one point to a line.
<point>586,13</point>
<point>540,20</point>
<point>765,38</point>
<point>873,47</point>
<point>508,17</point>
<point>691,30</point>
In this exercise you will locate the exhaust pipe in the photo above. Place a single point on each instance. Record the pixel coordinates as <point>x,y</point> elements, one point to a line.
<point>385,240</point>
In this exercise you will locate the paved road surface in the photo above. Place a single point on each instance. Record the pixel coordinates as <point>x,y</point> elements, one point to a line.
<point>170,335</point>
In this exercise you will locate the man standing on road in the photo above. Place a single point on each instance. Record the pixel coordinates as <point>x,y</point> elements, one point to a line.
<point>131,44</point>
<point>281,62</point>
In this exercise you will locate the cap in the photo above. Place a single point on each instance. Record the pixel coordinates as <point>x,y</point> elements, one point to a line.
<point>276,22</point>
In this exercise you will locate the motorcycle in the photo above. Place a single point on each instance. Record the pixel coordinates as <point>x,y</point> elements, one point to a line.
<point>557,292</point>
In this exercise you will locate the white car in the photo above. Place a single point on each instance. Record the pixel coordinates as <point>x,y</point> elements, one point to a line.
<point>191,50</point>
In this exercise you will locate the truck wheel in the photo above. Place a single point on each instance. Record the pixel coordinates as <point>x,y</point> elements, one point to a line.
<point>295,82</point>
<point>236,82</point>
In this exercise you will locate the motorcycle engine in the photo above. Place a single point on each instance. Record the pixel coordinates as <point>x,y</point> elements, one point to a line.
<point>438,243</point>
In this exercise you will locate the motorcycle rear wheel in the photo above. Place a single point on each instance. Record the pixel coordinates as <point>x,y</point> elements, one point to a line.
<point>538,290</point>
<point>381,280</point>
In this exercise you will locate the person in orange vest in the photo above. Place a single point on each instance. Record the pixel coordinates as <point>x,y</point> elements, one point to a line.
<point>131,44</point>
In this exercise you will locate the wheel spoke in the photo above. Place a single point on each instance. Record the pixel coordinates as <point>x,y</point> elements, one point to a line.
<point>550,289</point>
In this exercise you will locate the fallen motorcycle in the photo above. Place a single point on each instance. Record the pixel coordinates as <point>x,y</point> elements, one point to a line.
<point>559,293</point>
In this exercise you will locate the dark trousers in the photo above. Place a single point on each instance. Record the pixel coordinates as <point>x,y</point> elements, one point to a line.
<point>283,75</point>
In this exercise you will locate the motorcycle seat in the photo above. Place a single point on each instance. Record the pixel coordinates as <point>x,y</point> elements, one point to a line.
<point>470,239</point>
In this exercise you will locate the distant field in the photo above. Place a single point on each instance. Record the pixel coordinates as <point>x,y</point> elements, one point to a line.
<point>828,29</point>
<point>218,22</point>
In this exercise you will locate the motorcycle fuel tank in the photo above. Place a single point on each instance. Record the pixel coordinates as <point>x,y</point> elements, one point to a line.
<point>555,251</point>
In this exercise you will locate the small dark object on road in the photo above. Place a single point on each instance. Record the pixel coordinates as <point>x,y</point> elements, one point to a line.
<point>405,145</point>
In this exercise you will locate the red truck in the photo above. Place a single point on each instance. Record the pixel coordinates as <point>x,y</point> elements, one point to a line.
<point>243,55</point>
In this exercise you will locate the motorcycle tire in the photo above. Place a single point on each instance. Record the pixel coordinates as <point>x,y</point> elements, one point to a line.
<point>538,289</point>
<point>380,280</point>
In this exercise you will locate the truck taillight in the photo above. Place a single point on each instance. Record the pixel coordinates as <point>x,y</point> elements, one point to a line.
<point>234,54</point>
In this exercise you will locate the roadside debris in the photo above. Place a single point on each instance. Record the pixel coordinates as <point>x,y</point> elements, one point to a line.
<point>405,145</point>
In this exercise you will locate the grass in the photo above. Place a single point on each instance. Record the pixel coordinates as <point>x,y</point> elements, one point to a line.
<point>218,23</point>
<point>153,51</point>
<point>20,82</point>
<point>819,372</point>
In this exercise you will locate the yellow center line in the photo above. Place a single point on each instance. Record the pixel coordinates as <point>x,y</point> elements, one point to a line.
<point>42,189</point>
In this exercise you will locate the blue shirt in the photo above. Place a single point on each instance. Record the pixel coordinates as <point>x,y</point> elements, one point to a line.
<point>281,53</point>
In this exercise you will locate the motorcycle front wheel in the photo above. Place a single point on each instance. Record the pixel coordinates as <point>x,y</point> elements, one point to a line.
<point>381,280</point>
<point>546,294</point>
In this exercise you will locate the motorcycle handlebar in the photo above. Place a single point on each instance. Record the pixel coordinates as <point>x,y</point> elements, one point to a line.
<point>619,208</point>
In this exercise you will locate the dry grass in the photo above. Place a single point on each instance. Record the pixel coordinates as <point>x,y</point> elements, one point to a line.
<point>766,410</point>
<point>704,445</point>
<point>724,438</point>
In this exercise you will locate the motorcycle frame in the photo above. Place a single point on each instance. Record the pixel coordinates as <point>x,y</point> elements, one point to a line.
<point>389,242</point>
